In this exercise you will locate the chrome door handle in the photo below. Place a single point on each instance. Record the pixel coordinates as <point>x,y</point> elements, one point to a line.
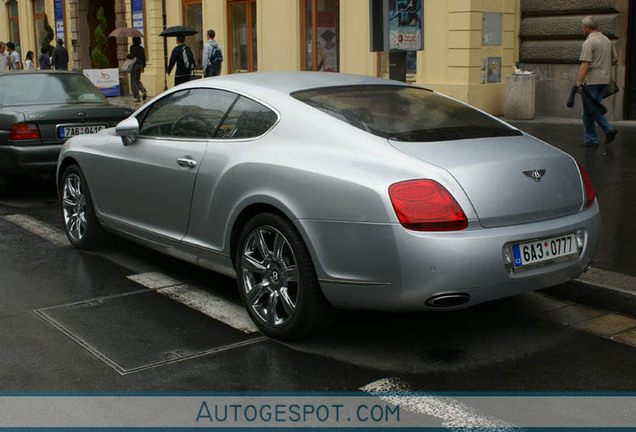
<point>186,162</point>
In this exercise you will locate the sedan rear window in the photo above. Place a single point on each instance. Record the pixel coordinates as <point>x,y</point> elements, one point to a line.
<point>402,113</point>
<point>47,88</point>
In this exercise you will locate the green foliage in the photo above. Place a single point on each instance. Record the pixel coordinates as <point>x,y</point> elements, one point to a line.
<point>99,59</point>
<point>48,37</point>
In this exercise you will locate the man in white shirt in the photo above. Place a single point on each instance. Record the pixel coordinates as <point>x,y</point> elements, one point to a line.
<point>16,63</point>
<point>4,57</point>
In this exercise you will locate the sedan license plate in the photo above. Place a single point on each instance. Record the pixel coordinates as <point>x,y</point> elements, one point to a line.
<point>537,251</point>
<point>64,132</point>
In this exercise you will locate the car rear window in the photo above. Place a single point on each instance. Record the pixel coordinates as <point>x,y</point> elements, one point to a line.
<point>47,88</point>
<point>403,113</point>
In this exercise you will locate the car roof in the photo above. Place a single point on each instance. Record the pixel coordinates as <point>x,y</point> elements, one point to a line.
<point>289,82</point>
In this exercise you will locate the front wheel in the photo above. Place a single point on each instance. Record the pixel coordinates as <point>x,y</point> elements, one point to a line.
<point>277,280</point>
<point>80,223</point>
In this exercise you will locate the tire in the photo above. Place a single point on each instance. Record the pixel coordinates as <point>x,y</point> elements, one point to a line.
<point>78,214</point>
<point>277,280</point>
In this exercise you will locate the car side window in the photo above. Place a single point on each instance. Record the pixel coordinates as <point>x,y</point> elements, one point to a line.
<point>192,113</point>
<point>247,119</point>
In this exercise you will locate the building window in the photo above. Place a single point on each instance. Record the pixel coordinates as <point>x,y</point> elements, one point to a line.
<point>320,35</point>
<point>14,24</point>
<point>193,17</point>
<point>242,37</point>
<point>38,18</point>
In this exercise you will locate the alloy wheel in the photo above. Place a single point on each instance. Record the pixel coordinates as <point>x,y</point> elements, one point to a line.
<point>74,207</point>
<point>270,277</point>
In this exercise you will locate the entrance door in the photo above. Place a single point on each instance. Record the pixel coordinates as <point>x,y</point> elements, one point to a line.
<point>630,84</point>
<point>242,38</point>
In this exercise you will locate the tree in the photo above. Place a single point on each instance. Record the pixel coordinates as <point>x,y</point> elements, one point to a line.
<point>48,37</point>
<point>99,59</point>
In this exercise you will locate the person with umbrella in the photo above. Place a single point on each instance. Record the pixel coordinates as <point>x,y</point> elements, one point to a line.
<point>138,53</point>
<point>183,71</point>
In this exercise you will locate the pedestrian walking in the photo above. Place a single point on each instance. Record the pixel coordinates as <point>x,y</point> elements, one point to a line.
<point>59,59</point>
<point>44,60</point>
<point>212,56</point>
<point>182,57</point>
<point>139,54</point>
<point>29,61</point>
<point>597,57</point>
<point>4,57</point>
<point>15,62</point>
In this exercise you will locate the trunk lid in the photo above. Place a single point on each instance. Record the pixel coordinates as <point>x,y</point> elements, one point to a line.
<point>497,176</point>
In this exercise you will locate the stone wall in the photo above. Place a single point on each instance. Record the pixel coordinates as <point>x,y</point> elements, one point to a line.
<point>550,45</point>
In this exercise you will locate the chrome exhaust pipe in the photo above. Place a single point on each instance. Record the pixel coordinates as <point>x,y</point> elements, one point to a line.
<point>448,300</point>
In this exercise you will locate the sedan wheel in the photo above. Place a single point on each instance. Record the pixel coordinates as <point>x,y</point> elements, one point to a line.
<point>277,279</point>
<point>80,223</point>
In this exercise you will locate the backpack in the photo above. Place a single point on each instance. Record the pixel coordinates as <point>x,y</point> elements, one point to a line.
<point>216,56</point>
<point>188,58</point>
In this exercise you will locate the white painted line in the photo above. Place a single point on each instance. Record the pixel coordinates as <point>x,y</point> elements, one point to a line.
<point>154,280</point>
<point>214,307</point>
<point>39,228</point>
<point>221,310</point>
<point>451,412</point>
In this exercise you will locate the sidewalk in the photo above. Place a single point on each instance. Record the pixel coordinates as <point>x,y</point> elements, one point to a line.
<point>611,283</point>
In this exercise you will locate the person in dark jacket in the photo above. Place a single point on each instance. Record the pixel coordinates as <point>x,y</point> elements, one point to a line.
<point>59,59</point>
<point>44,60</point>
<point>139,54</point>
<point>182,74</point>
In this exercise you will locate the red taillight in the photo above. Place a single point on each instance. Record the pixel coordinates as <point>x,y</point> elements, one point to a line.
<point>24,131</point>
<point>587,184</point>
<point>425,205</point>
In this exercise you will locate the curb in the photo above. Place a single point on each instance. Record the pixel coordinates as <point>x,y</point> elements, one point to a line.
<point>601,288</point>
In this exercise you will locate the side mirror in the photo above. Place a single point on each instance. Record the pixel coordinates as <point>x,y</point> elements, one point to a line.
<point>127,129</point>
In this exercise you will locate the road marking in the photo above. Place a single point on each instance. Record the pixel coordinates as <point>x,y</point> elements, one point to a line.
<point>217,308</point>
<point>451,412</point>
<point>41,229</point>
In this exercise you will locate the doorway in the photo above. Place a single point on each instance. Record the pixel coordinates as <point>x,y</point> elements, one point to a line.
<point>242,37</point>
<point>630,60</point>
<point>109,15</point>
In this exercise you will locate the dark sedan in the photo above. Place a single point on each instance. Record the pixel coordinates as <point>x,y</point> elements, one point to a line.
<point>40,110</point>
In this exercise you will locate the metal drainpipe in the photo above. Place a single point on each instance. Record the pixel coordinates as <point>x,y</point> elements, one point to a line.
<point>165,46</point>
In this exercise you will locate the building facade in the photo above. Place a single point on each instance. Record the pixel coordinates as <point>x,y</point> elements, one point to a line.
<point>469,45</point>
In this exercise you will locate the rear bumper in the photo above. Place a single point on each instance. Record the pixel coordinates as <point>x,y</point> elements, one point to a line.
<point>28,159</point>
<point>386,267</point>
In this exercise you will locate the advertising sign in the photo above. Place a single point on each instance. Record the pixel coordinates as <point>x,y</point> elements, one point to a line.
<point>138,15</point>
<point>327,42</point>
<point>106,80</point>
<point>406,25</point>
<point>59,19</point>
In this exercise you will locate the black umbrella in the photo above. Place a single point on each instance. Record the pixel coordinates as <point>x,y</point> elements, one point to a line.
<point>178,31</point>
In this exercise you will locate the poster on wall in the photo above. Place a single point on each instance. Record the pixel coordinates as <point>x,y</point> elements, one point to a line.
<point>326,42</point>
<point>59,19</point>
<point>138,16</point>
<point>406,25</point>
<point>106,80</point>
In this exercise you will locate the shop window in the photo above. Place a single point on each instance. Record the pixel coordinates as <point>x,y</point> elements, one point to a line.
<point>320,35</point>
<point>193,17</point>
<point>14,24</point>
<point>242,37</point>
<point>38,18</point>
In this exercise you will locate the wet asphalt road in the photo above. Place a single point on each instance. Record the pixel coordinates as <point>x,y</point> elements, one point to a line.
<point>75,321</point>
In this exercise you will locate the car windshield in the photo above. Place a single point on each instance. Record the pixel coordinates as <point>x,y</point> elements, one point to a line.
<point>402,113</point>
<point>47,88</point>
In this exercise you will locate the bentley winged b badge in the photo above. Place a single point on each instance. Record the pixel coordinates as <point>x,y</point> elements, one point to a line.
<point>535,174</point>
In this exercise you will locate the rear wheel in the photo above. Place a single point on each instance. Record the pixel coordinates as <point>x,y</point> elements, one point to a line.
<point>277,280</point>
<point>80,223</point>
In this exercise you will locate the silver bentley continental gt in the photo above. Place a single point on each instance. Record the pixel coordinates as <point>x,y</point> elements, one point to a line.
<point>321,191</point>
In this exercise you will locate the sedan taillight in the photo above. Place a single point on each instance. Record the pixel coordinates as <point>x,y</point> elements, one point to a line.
<point>587,185</point>
<point>24,131</point>
<point>425,205</point>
